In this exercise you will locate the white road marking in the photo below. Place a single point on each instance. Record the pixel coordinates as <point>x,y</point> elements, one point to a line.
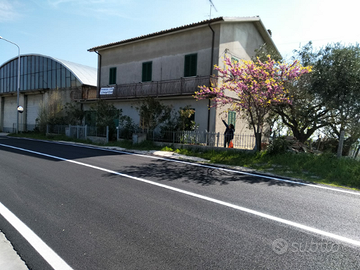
<point>211,167</point>
<point>206,198</point>
<point>253,174</point>
<point>228,170</point>
<point>43,249</point>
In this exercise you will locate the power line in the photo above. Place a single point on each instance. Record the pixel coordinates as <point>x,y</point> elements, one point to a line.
<point>212,6</point>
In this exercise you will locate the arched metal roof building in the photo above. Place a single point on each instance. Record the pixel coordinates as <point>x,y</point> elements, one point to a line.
<point>44,72</point>
<point>40,76</point>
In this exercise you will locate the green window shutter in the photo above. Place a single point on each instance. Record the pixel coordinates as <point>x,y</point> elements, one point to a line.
<point>231,118</point>
<point>147,71</point>
<point>190,68</point>
<point>112,76</point>
<point>234,59</point>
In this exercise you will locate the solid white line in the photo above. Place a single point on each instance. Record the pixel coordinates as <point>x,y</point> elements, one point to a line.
<point>206,198</point>
<point>43,249</point>
<point>233,171</point>
<point>212,167</point>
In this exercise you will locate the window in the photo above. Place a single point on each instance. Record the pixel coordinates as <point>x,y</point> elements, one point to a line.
<point>231,118</point>
<point>190,67</point>
<point>147,72</point>
<point>234,60</point>
<point>112,75</point>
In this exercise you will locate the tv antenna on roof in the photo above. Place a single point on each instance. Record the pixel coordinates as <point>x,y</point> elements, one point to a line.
<point>212,6</point>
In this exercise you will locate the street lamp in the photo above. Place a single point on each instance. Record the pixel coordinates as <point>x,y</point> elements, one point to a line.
<point>19,109</point>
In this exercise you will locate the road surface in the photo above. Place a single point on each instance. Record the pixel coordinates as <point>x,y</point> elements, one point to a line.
<point>66,206</point>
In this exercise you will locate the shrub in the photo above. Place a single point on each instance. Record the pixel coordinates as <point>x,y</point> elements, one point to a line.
<point>278,146</point>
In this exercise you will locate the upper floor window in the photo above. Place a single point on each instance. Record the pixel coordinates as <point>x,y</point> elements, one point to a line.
<point>190,68</point>
<point>232,118</point>
<point>112,75</point>
<point>147,71</point>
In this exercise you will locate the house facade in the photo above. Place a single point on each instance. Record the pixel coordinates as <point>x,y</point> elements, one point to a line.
<point>40,76</point>
<point>171,64</point>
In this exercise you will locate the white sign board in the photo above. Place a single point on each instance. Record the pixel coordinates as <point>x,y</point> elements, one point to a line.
<point>107,91</point>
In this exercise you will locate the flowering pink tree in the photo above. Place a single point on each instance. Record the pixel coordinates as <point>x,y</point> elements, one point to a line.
<point>257,86</point>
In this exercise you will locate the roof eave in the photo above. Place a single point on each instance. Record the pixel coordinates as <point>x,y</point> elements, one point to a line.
<point>256,20</point>
<point>157,34</point>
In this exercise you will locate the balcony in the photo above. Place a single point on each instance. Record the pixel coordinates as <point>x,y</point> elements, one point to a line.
<point>178,87</point>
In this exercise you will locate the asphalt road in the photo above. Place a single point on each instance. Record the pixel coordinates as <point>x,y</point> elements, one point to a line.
<point>96,209</point>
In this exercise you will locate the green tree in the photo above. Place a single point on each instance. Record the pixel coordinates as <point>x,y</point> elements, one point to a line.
<point>307,112</point>
<point>50,112</point>
<point>327,99</point>
<point>336,80</point>
<point>74,113</point>
<point>106,115</point>
<point>185,121</point>
<point>152,113</point>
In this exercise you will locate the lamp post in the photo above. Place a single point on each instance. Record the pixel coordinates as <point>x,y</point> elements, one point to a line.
<point>19,109</point>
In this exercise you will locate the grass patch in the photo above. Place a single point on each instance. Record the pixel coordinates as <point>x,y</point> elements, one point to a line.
<point>324,169</point>
<point>127,144</point>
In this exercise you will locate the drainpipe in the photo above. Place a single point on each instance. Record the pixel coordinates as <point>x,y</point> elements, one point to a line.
<point>211,70</point>
<point>99,74</point>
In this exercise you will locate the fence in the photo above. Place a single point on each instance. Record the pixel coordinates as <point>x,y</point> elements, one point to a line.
<point>354,151</point>
<point>95,134</point>
<point>205,138</point>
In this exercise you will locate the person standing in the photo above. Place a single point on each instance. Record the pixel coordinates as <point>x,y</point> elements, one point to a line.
<point>228,134</point>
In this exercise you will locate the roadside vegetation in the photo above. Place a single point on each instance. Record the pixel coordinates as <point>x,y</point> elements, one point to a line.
<point>323,168</point>
<point>314,99</point>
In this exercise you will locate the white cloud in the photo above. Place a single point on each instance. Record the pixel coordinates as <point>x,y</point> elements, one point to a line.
<point>97,8</point>
<point>56,3</point>
<point>8,11</point>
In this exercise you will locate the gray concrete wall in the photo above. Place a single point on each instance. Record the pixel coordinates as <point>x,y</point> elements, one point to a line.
<point>31,103</point>
<point>10,112</point>
<point>166,52</point>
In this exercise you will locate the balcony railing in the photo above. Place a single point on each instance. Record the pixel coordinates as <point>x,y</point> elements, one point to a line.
<point>178,87</point>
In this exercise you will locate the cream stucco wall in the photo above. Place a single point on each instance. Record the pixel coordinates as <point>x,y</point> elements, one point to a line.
<point>238,40</point>
<point>166,52</point>
<point>128,108</point>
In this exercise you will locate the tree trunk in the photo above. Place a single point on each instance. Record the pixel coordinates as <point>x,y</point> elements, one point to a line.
<point>341,143</point>
<point>258,141</point>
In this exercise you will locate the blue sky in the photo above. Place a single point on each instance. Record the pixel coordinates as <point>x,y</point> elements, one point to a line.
<point>66,29</point>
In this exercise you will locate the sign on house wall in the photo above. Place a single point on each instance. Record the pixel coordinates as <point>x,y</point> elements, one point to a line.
<point>107,91</point>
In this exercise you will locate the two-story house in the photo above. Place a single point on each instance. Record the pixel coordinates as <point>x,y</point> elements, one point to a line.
<point>171,64</point>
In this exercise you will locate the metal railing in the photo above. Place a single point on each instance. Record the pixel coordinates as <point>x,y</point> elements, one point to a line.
<point>176,87</point>
<point>204,138</point>
<point>212,139</point>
